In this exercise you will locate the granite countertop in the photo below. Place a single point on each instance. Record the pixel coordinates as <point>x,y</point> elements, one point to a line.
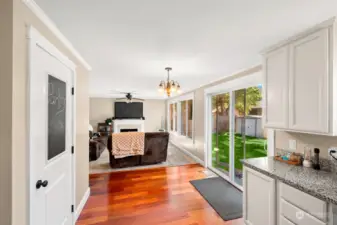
<point>318,183</point>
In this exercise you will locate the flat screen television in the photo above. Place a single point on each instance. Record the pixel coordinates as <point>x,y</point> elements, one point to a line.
<point>125,110</point>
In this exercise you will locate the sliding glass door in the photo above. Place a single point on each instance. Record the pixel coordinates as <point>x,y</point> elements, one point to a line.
<point>237,131</point>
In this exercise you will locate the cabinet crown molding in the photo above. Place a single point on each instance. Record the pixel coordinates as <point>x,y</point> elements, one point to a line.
<point>324,24</point>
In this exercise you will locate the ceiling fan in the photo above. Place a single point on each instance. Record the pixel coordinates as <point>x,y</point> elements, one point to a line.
<point>129,97</point>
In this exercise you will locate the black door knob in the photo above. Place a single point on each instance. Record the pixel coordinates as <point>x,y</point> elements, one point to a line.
<point>38,184</point>
<point>41,183</point>
<point>45,183</point>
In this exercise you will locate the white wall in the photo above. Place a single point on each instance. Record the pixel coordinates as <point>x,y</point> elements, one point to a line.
<point>100,109</point>
<point>154,113</point>
<point>322,142</point>
<point>6,90</point>
<point>103,108</point>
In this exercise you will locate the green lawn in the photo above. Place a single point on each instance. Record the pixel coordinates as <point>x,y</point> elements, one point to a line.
<point>255,147</point>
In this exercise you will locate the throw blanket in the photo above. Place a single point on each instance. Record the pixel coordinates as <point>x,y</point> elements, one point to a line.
<point>127,144</point>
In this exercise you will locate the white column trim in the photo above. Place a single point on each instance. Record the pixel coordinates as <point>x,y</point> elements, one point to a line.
<point>271,142</point>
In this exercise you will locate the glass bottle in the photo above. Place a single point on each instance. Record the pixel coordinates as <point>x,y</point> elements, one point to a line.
<point>316,165</point>
<point>307,156</point>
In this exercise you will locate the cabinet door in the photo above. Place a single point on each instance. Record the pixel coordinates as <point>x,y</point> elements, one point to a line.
<point>284,221</point>
<point>309,83</point>
<point>259,200</point>
<point>276,88</point>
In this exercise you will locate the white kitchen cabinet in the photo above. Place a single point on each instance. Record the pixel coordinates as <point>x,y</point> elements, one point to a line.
<point>306,202</point>
<point>309,83</point>
<point>297,215</point>
<point>269,201</point>
<point>259,198</point>
<point>276,88</point>
<point>300,83</point>
<point>285,221</point>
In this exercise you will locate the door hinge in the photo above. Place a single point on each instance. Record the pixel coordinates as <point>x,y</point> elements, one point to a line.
<point>72,149</point>
<point>72,208</point>
<point>72,90</point>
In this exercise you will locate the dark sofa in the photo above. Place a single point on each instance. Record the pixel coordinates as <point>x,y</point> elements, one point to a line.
<point>155,151</point>
<point>96,147</point>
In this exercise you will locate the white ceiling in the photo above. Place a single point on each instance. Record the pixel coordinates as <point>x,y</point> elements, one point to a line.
<point>130,42</point>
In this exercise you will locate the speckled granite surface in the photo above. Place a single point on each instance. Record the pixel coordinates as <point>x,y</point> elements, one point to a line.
<point>325,163</point>
<point>321,184</point>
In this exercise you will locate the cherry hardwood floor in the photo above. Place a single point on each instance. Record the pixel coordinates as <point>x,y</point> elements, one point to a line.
<point>149,197</point>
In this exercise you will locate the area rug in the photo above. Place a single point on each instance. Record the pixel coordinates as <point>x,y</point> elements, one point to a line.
<point>225,199</point>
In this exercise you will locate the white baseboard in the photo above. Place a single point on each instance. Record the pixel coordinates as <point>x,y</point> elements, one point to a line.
<point>82,204</point>
<point>189,154</point>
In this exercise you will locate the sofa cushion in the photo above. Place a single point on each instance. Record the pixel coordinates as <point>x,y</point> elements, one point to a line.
<point>155,150</point>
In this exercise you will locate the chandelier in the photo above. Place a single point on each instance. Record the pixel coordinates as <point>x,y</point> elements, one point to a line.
<point>170,86</point>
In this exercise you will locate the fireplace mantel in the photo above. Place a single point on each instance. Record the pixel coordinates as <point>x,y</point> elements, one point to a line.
<point>128,124</point>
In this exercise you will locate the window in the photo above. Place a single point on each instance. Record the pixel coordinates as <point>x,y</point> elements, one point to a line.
<point>181,117</point>
<point>173,117</point>
<point>189,118</point>
<point>175,113</point>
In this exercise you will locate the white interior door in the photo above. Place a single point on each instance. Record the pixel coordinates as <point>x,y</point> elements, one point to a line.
<point>51,195</point>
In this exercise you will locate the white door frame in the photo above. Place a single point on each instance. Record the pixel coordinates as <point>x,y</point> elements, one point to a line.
<point>230,86</point>
<point>36,39</point>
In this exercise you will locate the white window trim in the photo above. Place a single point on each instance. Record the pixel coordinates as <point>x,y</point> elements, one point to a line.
<point>235,84</point>
<point>182,98</point>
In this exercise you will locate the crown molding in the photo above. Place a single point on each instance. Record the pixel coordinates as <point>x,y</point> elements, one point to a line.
<point>325,24</point>
<point>31,4</point>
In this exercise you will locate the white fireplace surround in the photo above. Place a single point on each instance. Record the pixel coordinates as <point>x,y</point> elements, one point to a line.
<point>128,124</point>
